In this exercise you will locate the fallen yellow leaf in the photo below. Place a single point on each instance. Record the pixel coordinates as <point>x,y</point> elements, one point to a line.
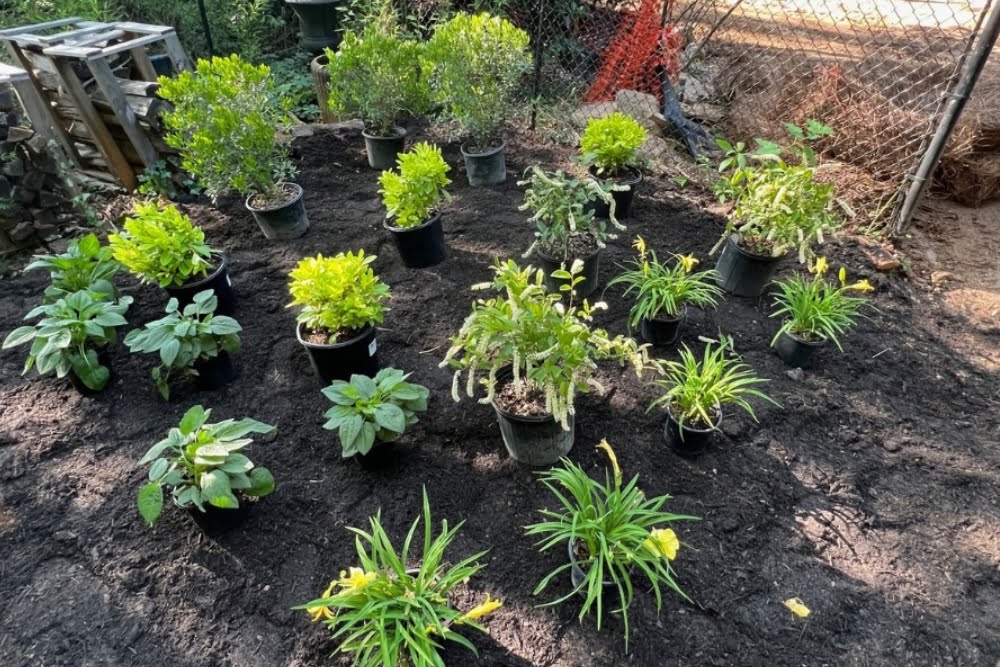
<point>797,607</point>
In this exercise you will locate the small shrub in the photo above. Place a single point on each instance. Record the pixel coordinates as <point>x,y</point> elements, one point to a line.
<point>86,265</point>
<point>338,295</point>
<point>202,465</point>
<point>367,409</point>
<point>611,144</point>
<point>413,193</point>
<point>160,245</point>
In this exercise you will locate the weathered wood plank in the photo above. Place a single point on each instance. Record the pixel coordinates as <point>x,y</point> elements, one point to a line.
<point>108,84</point>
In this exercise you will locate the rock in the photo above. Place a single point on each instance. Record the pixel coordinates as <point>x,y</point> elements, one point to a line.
<point>893,444</point>
<point>704,111</point>
<point>22,232</point>
<point>302,131</point>
<point>584,113</point>
<point>640,106</point>
<point>33,180</point>
<point>64,536</point>
<point>696,90</point>
<point>13,168</point>
<point>938,278</point>
<point>728,525</point>
<point>796,374</point>
<point>24,195</point>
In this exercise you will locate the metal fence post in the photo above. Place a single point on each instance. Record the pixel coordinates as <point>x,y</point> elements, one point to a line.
<point>539,52</point>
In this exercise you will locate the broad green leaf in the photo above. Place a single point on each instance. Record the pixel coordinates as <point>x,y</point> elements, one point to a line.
<point>349,429</point>
<point>391,417</point>
<point>365,385</point>
<point>168,353</point>
<point>150,502</point>
<point>262,482</point>
<point>215,486</point>
<point>222,325</point>
<point>193,419</point>
<point>237,463</point>
<point>19,336</point>
<point>158,469</point>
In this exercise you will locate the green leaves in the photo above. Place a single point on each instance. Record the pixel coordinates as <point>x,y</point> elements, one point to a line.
<point>416,190</point>
<point>611,143</point>
<point>86,265</point>
<point>150,502</point>
<point>338,294</point>
<point>816,309</point>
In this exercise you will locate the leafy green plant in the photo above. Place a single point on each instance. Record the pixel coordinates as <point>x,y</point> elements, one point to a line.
<point>67,338</point>
<point>779,206</point>
<point>384,613</point>
<point>376,76</point>
<point>367,409</point>
<point>295,84</point>
<point>611,144</point>
<point>816,309</point>
<point>202,465</point>
<point>160,245</point>
<point>560,211</point>
<point>338,295</point>
<point>694,392</point>
<point>229,122</point>
<point>165,180</point>
<point>616,534</point>
<point>474,64</point>
<point>662,290</point>
<point>551,349</point>
<point>412,194</point>
<point>183,338</point>
<point>86,265</point>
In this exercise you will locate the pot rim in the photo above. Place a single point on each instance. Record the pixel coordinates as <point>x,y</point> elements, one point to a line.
<point>634,181</point>
<point>291,202</point>
<point>489,153</point>
<point>669,320</point>
<point>223,265</point>
<point>733,240</point>
<point>714,427</point>
<point>399,132</point>
<point>507,372</point>
<point>363,334</point>
<point>403,230</point>
<point>547,258</point>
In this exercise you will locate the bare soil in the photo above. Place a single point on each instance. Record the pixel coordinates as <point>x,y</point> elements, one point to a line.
<point>873,494</point>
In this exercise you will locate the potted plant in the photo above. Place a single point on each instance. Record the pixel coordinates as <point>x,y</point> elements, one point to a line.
<point>411,197</point>
<point>474,65</point>
<point>663,293</point>
<point>694,394</point>
<point>366,410</point>
<point>538,355</point>
<point>160,245</point>
<point>86,265</point>
<point>317,23</point>
<point>778,207</point>
<point>609,147</point>
<point>342,301</point>
<point>613,534</point>
<point>567,230</point>
<point>815,311</point>
<point>72,337</point>
<point>384,613</point>
<point>205,471</point>
<point>193,341</point>
<point>231,126</point>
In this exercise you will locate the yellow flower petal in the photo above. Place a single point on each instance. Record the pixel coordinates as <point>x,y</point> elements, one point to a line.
<point>862,286</point>
<point>821,266</point>
<point>688,262</point>
<point>356,580</point>
<point>842,275</point>
<point>481,609</point>
<point>614,461</point>
<point>663,542</point>
<point>640,245</point>
<point>322,613</point>
<point>797,607</point>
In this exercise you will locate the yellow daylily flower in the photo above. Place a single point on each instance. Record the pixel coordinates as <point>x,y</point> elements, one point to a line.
<point>842,275</point>
<point>688,262</point>
<point>481,609</point>
<point>797,607</point>
<point>821,266</point>
<point>663,542</point>
<point>324,613</point>
<point>430,630</point>
<point>640,245</point>
<point>861,286</point>
<point>355,580</point>
<point>614,461</point>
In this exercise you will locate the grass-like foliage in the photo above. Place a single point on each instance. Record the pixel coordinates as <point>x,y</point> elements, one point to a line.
<point>160,245</point>
<point>618,535</point>
<point>413,193</point>
<point>694,391</point>
<point>385,613</point>
<point>817,309</point>
<point>337,294</point>
<point>86,265</point>
<point>662,290</point>
<point>611,144</point>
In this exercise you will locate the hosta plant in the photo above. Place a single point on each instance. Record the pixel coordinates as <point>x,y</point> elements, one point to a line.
<point>413,193</point>
<point>86,265</point>
<point>369,409</point>
<point>816,309</point>
<point>550,347</point>
<point>338,295</point>
<point>617,535</point>
<point>610,145</point>
<point>663,290</point>
<point>778,205</point>
<point>184,337</point>
<point>67,338</point>
<point>560,212</point>
<point>386,613</point>
<point>202,464</point>
<point>160,245</point>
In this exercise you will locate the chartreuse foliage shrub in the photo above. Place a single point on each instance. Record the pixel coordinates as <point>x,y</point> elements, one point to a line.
<point>201,464</point>
<point>611,144</point>
<point>339,294</point>
<point>411,194</point>
<point>618,533</point>
<point>69,335</point>
<point>160,245</point>
<point>474,65</point>
<point>369,409</point>
<point>385,613</point>
<point>86,265</point>
<point>549,347</point>
<point>227,122</point>
<point>376,76</point>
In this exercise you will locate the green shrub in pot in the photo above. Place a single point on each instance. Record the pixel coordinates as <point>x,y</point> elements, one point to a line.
<point>413,192</point>
<point>85,265</point>
<point>610,145</point>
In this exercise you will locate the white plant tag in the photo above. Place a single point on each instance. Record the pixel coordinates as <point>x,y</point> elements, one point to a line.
<point>372,347</point>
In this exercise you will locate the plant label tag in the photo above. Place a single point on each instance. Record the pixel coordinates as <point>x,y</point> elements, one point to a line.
<point>372,347</point>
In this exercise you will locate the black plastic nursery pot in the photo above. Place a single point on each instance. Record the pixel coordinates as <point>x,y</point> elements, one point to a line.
<point>317,23</point>
<point>284,221</point>
<point>485,168</point>
<point>383,151</point>
<point>162,64</point>
<point>693,441</point>
<point>104,359</point>
<point>577,574</point>
<point>216,372</point>
<point>796,351</point>
<point>744,273</point>
<point>382,455</point>
<point>420,247</point>
<point>215,521</point>
<point>534,440</point>
<point>217,280</point>
<point>590,273</point>
<point>662,330</point>
<point>623,198</point>
<point>357,356</point>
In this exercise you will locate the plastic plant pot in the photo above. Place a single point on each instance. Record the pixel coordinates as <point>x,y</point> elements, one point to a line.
<point>339,361</point>
<point>686,441</point>
<point>216,372</point>
<point>218,281</point>
<point>420,247</point>
<point>744,273</point>
<point>486,168</point>
<point>660,330</point>
<point>284,221</point>
<point>590,274</point>
<point>623,198</point>
<point>795,351</point>
<point>383,151</point>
